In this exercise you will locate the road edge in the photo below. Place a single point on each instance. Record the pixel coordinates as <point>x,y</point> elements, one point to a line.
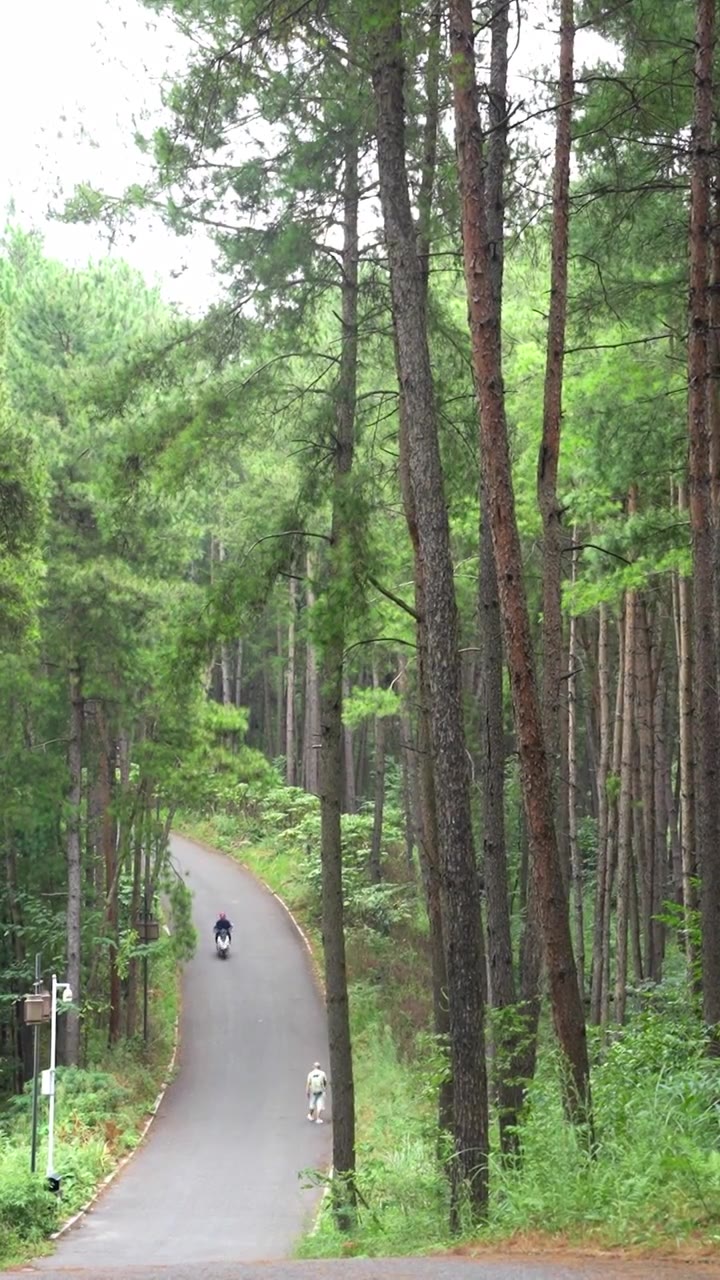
<point>112,1175</point>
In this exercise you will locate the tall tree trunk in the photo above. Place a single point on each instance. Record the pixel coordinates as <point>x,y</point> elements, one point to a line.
<point>238,673</point>
<point>686,711</point>
<point>331,741</point>
<point>707,718</point>
<point>106,774</point>
<point>613,825</point>
<point>602,845</point>
<point>625,811</point>
<point>490,694</point>
<point>74,869</point>
<point>429,845</point>
<point>548,887</point>
<point>549,455</point>
<point>460,888</point>
<point>379,798</point>
<point>312,703</point>
<point>350,800</point>
<point>290,747</point>
<point>646,795</point>
<point>662,881</point>
<point>427,828</point>
<point>411,803</point>
<point>572,773</point>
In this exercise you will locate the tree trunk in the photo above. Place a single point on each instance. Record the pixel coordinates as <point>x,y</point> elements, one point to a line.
<point>613,817</point>
<point>625,811</point>
<point>686,710</point>
<point>460,888</point>
<point>74,869</point>
<point>290,748</point>
<point>238,673</point>
<point>350,800</point>
<point>602,845</point>
<point>572,773</point>
<point>707,718</point>
<point>501,977</point>
<point>408,751</point>
<point>549,455</point>
<point>312,707</point>
<point>106,773</point>
<point>548,888</point>
<point>379,799</point>
<point>646,795</point>
<point>331,740</point>
<point>662,880</point>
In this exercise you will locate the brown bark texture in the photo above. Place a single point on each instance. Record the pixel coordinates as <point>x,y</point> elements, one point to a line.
<point>551,901</point>
<point>707,714</point>
<point>331,770</point>
<point>71,1039</point>
<point>549,455</point>
<point>460,888</point>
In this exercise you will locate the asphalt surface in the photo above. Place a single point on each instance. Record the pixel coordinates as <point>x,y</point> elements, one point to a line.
<point>218,1175</point>
<point>215,1193</point>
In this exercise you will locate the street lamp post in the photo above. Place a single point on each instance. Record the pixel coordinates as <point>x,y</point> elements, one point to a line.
<point>52,1177</point>
<point>36,1010</point>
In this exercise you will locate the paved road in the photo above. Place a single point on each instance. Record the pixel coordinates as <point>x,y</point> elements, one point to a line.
<point>215,1186</point>
<point>218,1174</point>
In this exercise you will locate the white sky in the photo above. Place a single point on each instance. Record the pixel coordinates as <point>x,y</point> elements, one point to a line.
<point>78,77</point>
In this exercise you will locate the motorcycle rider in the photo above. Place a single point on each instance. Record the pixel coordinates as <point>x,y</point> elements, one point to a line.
<point>223,925</point>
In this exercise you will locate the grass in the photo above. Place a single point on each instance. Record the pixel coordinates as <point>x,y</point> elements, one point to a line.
<point>100,1113</point>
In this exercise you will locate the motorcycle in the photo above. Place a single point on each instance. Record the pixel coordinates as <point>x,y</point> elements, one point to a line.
<point>222,944</point>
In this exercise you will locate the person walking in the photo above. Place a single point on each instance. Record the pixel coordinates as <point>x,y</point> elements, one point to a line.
<point>315,1090</point>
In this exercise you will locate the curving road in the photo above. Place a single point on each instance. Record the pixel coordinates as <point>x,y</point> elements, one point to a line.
<point>215,1188</point>
<point>218,1174</point>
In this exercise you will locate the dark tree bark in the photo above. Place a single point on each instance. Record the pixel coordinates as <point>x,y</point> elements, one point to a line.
<point>624,876</point>
<point>71,1036</point>
<point>707,717</point>
<point>460,889</point>
<point>490,693</point>
<point>379,796</point>
<point>411,803</point>
<point>549,456</point>
<point>548,888</point>
<point>602,850</point>
<point>576,867</point>
<point>290,745</point>
<point>331,730</point>
<point>686,712</point>
<point>646,747</point>
<point>350,802</point>
<point>428,827</point>
<point>311,723</point>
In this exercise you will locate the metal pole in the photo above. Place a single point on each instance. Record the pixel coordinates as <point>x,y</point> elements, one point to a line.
<point>36,1072</point>
<point>53,1050</point>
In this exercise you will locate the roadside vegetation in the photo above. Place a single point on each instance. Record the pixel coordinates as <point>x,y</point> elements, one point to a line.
<point>101,1111</point>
